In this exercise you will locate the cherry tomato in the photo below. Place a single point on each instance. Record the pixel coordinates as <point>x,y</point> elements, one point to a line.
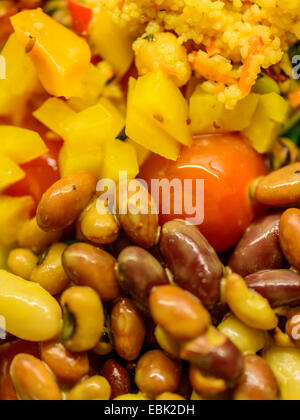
<point>7,354</point>
<point>228,165</point>
<point>41,173</point>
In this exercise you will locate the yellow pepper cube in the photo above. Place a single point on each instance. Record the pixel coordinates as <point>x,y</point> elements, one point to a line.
<point>53,114</point>
<point>275,107</point>
<point>141,153</point>
<point>240,117</point>
<point>14,212</point>
<point>159,99</point>
<point>71,163</point>
<point>145,132</point>
<point>10,172</point>
<point>20,76</point>
<point>119,157</point>
<point>88,129</point>
<point>60,56</point>
<point>21,145</point>
<point>111,42</point>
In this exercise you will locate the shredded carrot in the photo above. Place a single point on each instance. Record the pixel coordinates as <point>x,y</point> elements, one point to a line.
<point>294,98</point>
<point>246,80</point>
<point>213,49</point>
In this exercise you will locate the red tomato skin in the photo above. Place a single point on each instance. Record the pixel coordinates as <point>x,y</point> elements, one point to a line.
<point>228,165</point>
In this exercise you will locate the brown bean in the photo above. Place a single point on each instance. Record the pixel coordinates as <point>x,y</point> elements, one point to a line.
<point>63,202</point>
<point>118,377</point>
<point>258,383</point>
<point>128,329</point>
<point>138,272</point>
<point>68,367</point>
<point>279,287</point>
<point>194,263</point>
<point>281,187</point>
<point>178,312</point>
<point>216,354</point>
<point>290,236</point>
<point>32,380</point>
<point>87,265</point>
<point>259,249</point>
<point>157,373</point>
<point>204,384</point>
<point>138,219</point>
<point>293,328</point>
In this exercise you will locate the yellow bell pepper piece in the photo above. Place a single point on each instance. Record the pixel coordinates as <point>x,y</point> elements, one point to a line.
<point>145,132</point>
<point>53,114</point>
<point>159,99</point>
<point>71,162</point>
<point>29,311</point>
<point>111,42</point>
<point>88,129</point>
<point>10,172</point>
<point>20,76</point>
<point>60,56</point>
<point>119,156</point>
<point>141,153</point>
<point>275,107</point>
<point>93,82</point>
<point>208,114</point>
<point>21,145</point>
<point>14,212</point>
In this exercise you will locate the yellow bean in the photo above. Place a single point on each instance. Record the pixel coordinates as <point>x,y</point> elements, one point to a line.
<point>250,307</point>
<point>248,340</point>
<point>167,343</point>
<point>96,388</point>
<point>30,312</point>
<point>132,397</point>
<point>21,262</point>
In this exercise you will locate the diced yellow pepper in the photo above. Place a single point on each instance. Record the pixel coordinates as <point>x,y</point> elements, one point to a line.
<point>275,107</point>
<point>145,132</point>
<point>21,145</point>
<point>53,114</point>
<point>10,172</point>
<point>20,76</point>
<point>60,56</point>
<point>141,153</point>
<point>208,115</point>
<point>88,129</point>
<point>71,162</point>
<point>29,311</point>
<point>119,156</point>
<point>14,212</point>
<point>111,42</point>
<point>159,99</point>
<point>262,131</point>
<point>93,83</point>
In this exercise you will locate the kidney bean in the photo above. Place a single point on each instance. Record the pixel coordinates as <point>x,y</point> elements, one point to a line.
<point>204,384</point>
<point>216,354</point>
<point>138,272</point>
<point>293,328</point>
<point>279,287</point>
<point>128,329</point>
<point>118,377</point>
<point>140,222</point>
<point>258,383</point>
<point>281,187</point>
<point>259,249</point>
<point>63,202</point>
<point>157,373</point>
<point>87,265</point>
<point>290,236</point>
<point>178,312</point>
<point>194,263</point>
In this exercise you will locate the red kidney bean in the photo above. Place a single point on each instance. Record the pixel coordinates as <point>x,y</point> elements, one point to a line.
<point>118,377</point>
<point>138,272</point>
<point>216,354</point>
<point>279,287</point>
<point>193,262</point>
<point>259,249</point>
